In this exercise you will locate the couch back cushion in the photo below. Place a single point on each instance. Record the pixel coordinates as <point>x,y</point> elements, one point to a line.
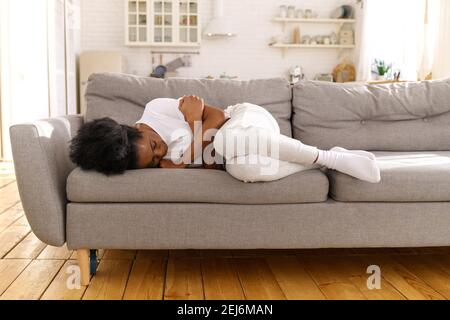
<point>123,97</point>
<point>394,117</point>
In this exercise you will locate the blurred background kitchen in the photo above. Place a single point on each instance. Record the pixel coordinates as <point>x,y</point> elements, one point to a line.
<point>50,47</point>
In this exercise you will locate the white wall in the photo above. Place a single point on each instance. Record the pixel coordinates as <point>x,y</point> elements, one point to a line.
<point>247,56</point>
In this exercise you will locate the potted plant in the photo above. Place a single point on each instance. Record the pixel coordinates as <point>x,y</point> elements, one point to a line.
<point>381,69</point>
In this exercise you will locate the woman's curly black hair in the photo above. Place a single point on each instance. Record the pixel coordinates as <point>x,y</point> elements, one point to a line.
<point>105,146</point>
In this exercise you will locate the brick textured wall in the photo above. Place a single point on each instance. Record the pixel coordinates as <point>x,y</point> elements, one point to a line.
<point>247,56</point>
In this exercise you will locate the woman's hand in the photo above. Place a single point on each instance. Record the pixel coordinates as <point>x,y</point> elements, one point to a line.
<point>192,108</point>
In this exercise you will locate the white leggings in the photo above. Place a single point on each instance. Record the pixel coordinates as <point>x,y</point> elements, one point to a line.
<point>253,173</point>
<point>271,158</point>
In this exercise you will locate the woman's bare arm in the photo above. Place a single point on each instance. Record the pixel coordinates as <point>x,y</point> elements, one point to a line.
<point>197,113</point>
<point>167,164</point>
<point>214,118</point>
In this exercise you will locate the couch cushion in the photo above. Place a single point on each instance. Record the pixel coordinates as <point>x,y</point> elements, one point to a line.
<point>123,97</point>
<point>405,176</point>
<point>195,186</point>
<point>393,117</point>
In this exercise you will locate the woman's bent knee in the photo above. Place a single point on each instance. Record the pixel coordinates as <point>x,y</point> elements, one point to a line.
<point>253,168</point>
<point>243,172</point>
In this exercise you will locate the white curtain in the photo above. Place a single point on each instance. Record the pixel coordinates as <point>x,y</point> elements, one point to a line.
<point>64,47</point>
<point>24,65</point>
<point>362,50</point>
<point>37,62</point>
<point>441,61</point>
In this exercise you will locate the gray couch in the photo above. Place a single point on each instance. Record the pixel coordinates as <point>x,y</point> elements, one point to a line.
<point>406,125</point>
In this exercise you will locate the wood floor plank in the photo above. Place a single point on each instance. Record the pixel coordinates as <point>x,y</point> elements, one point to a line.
<point>7,174</point>
<point>10,197</point>
<point>355,268</point>
<point>332,282</point>
<point>293,279</point>
<point>407,251</point>
<point>10,216</point>
<point>110,281</point>
<point>60,289</point>
<point>185,254</point>
<point>324,252</point>
<point>257,280</point>
<point>10,237</point>
<point>217,253</point>
<point>22,222</point>
<point>6,177</point>
<point>184,279</point>
<point>146,281</point>
<point>442,260</point>
<point>119,254</point>
<point>429,271</point>
<point>371,251</point>
<point>404,281</point>
<point>9,271</point>
<point>4,181</point>
<point>387,291</point>
<point>220,279</point>
<point>152,254</point>
<point>33,281</point>
<point>432,250</point>
<point>441,250</point>
<point>29,248</point>
<point>261,253</point>
<point>55,253</point>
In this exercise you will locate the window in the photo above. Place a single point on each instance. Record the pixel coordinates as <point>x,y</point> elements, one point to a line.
<point>398,32</point>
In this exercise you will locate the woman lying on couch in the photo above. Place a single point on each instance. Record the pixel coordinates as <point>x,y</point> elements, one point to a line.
<point>244,139</point>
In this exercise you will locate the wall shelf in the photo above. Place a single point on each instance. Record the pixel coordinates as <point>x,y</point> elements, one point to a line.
<point>285,47</point>
<point>340,22</point>
<point>301,20</point>
<point>312,46</point>
<point>287,21</point>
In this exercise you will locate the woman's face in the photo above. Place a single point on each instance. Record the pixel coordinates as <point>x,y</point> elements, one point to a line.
<point>150,148</point>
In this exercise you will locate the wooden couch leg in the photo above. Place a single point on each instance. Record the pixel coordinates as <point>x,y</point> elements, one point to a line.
<point>83,263</point>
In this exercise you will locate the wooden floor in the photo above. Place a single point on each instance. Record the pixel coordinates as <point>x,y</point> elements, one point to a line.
<point>29,269</point>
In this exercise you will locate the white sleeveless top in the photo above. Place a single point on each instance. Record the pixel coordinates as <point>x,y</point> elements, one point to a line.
<point>164,116</point>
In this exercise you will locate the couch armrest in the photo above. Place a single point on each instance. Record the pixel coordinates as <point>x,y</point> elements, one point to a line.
<point>42,164</point>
